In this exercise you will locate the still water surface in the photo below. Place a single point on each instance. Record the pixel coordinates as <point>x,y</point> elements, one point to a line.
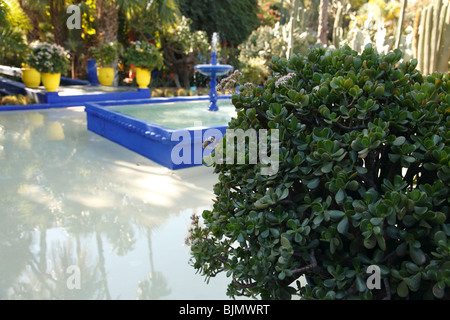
<point>181,115</point>
<point>73,201</point>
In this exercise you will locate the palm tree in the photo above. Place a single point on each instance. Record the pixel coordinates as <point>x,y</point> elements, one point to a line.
<point>57,10</point>
<point>153,16</point>
<point>35,11</point>
<point>159,11</point>
<point>107,19</point>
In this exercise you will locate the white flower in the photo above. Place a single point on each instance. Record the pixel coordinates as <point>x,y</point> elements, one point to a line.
<point>284,79</point>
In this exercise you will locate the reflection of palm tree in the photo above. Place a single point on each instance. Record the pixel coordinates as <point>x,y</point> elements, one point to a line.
<point>14,249</point>
<point>120,234</point>
<point>156,286</point>
<point>101,261</point>
<point>52,281</point>
<point>67,186</point>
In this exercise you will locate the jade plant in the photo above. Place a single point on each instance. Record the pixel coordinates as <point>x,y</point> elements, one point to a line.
<point>362,185</point>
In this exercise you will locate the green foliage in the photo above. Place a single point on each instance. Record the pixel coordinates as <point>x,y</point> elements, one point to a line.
<point>47,57</point>
<point>233,19</point>
<point>363,180</point>
<point>107,54</point>
<point>12,47</point>
<point>186,42</point>
<point>12,44</point>
<point>265,42</point>
<point>254,70</point>
<point>144,55</point>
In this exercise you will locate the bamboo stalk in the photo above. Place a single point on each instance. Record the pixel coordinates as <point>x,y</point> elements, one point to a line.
<point>400,24</point>
<point>444,48</point>
<point>337,25</point>
<point>415,39</point>
<point>441,26</point>
<point>434,36</point>
<point>421,36</point>
<point>427,44</point>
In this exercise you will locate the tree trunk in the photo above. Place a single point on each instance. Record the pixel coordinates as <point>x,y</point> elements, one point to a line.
<point>33,15</point>
<point>108,26</point>
<point>322,31</point>
<point>108,20</point>
<point>57,10</point>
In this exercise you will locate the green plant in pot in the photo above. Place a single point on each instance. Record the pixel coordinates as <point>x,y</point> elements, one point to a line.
<point>359,205</point>
<point>144,57</point>
<point>106,55</point>
<point>50,60</point>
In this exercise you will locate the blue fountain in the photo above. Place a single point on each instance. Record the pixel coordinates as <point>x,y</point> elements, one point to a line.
<point>213,70</point>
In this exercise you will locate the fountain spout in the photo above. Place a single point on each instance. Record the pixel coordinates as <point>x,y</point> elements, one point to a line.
<point>213,70</point>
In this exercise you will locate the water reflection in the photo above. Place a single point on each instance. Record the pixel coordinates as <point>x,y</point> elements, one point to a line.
<point>71,198</point>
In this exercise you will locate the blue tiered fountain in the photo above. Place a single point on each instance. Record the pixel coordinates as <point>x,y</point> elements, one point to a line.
<point>213,70</point>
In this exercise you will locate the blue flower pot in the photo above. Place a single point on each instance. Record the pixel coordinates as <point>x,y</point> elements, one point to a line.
<point>91,72</point>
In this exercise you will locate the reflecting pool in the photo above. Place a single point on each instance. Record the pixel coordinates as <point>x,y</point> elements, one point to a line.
<point>181,115</point>
<point>84,218</point>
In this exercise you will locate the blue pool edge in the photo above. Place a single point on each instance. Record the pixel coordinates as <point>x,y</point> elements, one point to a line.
<point>149,139</point>
<point>107,102</point>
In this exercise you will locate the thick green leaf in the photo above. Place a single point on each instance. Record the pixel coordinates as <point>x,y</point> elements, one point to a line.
<point>314,183</point>
<point>343,226</point>
<point>402,289</point>
<point>285,242</point>
<point>399,141</point>
<point>417,255</point>
<point>336,214</point>
<point>340,196</point>
<point>326,168</point>
<point>360,284</point>
<point>438,292</point>
<point>414,283</point>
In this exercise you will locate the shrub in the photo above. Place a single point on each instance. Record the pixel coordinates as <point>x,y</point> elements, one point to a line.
<point>144,55</point>
<point>157,92</point>
<point>169,92</point>
<point>16,100</point>
<point>182,92</point>
<point>363,180</point>
<point>107,54</point>
<point>48,58</point>
<point>267,41</point>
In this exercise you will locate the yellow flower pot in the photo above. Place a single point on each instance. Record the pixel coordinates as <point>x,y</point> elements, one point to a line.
<point>51,81</point>
<point>143,77</point>
<point>31,77</point>
<point>105,76</point>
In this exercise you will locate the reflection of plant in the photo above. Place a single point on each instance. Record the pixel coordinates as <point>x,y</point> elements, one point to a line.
<point>363,179</point>
<point>144,55</point>
<point>106,54</point>
<point>49,58</point>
